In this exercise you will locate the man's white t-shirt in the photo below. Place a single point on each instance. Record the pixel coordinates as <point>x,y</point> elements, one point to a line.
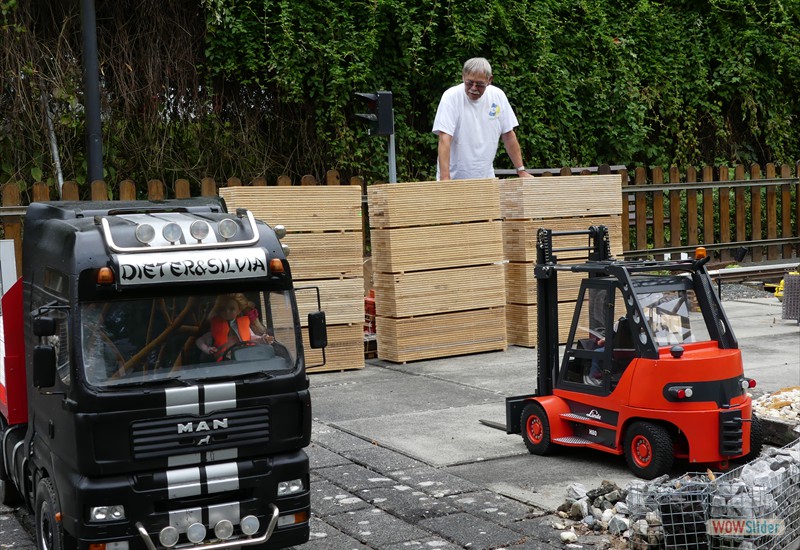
<point>476,127</point>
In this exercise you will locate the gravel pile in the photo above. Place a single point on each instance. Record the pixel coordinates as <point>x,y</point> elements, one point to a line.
<point>735,291</point>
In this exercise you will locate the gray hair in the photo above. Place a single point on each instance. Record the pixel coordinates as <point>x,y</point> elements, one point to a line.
<point>477,65</point>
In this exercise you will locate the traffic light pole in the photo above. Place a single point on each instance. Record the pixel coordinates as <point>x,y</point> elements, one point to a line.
<point>392,161</point>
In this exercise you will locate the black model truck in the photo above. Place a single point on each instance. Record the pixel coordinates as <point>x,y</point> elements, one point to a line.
<point>136,415</point>
<point>651,368</point>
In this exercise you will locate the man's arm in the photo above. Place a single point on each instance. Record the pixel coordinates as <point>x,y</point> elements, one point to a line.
<point>513,150</point>
<point>444,155</point>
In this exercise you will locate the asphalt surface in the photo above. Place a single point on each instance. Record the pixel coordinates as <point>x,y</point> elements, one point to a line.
<point>400,459</point>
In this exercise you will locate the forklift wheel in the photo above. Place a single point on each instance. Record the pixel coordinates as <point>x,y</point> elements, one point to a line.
<point>536,429</point>
<point>648,450</point>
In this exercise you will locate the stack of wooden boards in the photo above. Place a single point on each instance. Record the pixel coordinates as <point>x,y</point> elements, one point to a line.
<point>437,259</point>
<point>559,203</point>
<point>324,235</point>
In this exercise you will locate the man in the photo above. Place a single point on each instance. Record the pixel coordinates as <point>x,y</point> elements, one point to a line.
<point>469,121</point>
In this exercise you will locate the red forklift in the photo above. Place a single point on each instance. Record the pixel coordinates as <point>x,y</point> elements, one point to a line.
<point>651,368</point>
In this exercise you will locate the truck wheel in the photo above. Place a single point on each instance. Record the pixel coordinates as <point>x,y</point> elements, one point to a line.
<point>536,429</point>
<point>648,450</point>
<point>49,531</point>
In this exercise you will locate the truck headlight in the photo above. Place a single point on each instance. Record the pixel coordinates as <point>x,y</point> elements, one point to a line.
<point>107,513</point>
<point>290,487</point>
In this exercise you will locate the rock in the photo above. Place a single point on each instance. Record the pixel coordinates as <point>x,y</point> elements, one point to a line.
<point>569,536</point>
<point>618,524</point>
<point>621,508</point>
<point>576,491</point>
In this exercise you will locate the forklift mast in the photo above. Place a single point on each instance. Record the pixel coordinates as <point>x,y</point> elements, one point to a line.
<point>598,249</point>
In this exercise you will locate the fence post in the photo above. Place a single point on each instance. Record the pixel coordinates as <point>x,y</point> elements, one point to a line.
<point>741,220</point>
<point>40,192</point>
<point>772,212</point>
<point>640,206</point>
<point>182,190</point>
<point>127,190</point>
<point>797,207</point>
<point>208,187</point>
<point>708,206</point>
<point>724,198</point>
<point>284,180</point>
<point>674,209</point>
<point>658,211</point>
<point>755,212</point>
<point>99,191</point>
<point>332,177</point>
<point>69,191</point>
<point>786,210</point>
<point>260,181</point>
<point>691,207</point>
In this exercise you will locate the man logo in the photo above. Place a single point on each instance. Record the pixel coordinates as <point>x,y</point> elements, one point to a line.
<point>203,426</point>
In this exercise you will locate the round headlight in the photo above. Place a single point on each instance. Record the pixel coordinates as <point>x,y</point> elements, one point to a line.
<point>196,532</point>
<point>286,250</point>
<point>168,536</point>
<point>172,232</point>
<point>145,233</point>
<point>224,529</point>
<point>227,228</point>
<point>249,525</point>
<point>199,230</point>
<point>280,231</point>
<point>116,512</point>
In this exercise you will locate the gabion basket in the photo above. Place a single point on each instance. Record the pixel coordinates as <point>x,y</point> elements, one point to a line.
<point>757,506</point>
<point>671,515</point>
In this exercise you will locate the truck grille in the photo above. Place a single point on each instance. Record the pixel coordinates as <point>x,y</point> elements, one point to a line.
<point>175,435</point>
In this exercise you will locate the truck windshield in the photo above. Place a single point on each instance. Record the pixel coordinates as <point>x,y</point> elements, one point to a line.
<point>674,317</point>
<point>188,337</point>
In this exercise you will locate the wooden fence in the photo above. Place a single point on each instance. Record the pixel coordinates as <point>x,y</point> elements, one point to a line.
<point>673,210</point>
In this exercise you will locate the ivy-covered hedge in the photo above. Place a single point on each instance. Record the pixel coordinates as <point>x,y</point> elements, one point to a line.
<point>265,87</point>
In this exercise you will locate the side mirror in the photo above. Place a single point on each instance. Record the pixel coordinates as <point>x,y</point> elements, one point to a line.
<point>44,326</point>
<point>317,330</point>
<point>44,366</point>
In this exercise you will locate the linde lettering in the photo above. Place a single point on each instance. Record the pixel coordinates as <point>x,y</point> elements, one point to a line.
<point>192,268</point>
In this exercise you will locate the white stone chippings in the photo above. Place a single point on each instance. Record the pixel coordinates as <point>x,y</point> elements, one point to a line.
<point>569,536</point>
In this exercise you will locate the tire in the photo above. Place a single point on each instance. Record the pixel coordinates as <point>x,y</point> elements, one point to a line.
<point>648,450</point>
<point>50,533</point>
<point>756,440</point>
<point>536,429</point>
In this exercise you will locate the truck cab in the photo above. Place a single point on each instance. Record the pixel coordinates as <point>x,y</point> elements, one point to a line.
<point>166,400</point>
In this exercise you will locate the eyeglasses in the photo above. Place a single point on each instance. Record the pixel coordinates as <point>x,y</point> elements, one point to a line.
<point>479,85</point>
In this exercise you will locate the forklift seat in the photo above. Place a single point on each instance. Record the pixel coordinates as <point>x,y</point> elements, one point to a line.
<point>624,348</point>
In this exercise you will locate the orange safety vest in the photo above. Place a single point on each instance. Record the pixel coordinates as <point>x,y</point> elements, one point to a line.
<point>220,330</point>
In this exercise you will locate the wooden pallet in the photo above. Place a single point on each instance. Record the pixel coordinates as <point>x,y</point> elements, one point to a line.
<point>345,349</point>
<point>561,197</point>
<point>436,247</point>
<point>427,203</point>
<point>325,255</point>
<point>439,291</point>
<point>521,284</point>
<point>443,335</point>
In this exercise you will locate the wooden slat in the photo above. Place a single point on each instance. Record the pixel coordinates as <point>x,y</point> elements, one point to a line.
<point>772,212</point>
<point>640,208</point>
<point>658,210</point>
<point>325,255</point>
<point>431,203</point>
<point>300,208</point>
<point>674,209</point>
<point>724,213</point>
<point>741,226</point>
<point>439,291</point>
<point>447,334</point>
<point>626,228</point>
<point>127,190</point>
<point>560,197</point>
<point>786,210</point>
<point>342,300</point>
<point>708,207</point>
<point>345,349</point>
<point>755,212</point>
<point>691,208</point>
<point>424,248</point>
